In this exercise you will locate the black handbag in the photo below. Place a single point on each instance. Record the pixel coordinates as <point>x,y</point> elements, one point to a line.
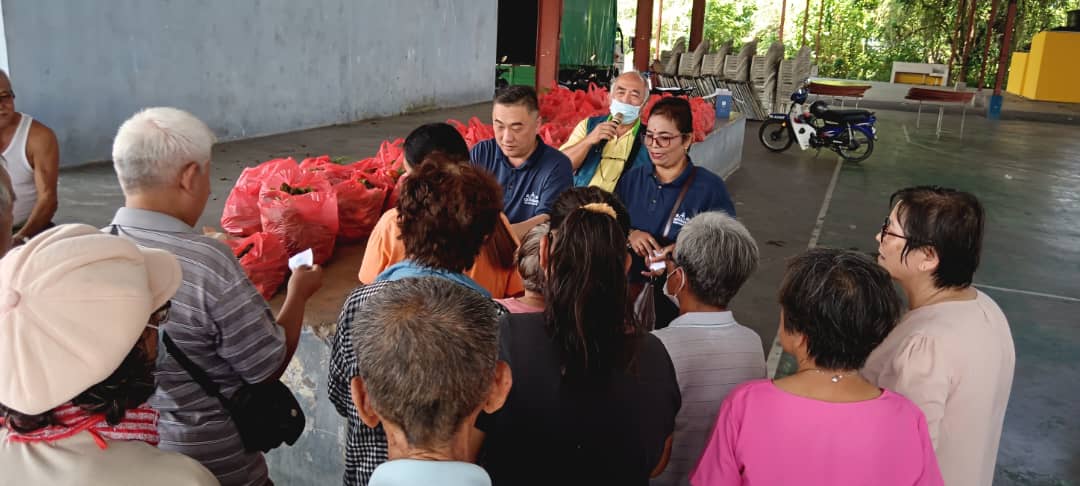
<point>266,414</point>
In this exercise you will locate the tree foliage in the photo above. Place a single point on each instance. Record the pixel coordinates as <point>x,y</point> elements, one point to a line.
<point>860,39</point>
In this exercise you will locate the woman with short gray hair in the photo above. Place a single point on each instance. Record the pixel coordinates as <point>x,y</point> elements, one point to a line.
<point>714,255</point>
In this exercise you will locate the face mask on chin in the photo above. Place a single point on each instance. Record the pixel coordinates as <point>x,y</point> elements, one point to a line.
<point>673,297</point>
<point>629,112</point>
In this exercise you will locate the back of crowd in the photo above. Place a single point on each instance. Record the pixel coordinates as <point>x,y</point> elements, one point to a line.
<point>658,200</point>
<point>636,371</point>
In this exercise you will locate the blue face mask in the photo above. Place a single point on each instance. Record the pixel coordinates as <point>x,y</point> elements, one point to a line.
<point>629,112</point>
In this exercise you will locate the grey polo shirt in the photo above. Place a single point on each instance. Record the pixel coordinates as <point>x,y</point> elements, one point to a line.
<point>712,355</point>
<point>222,323</point>
<point>407,472</point>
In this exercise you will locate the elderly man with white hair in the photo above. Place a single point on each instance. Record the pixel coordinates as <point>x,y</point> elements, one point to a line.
<point>714,255</point>
<point>218,320</point>
<point>602,148</point>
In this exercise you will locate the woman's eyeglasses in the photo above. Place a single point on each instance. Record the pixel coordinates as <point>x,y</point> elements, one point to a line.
<point>662,141</point>
<point>159,316</point>
<point>885,230</point>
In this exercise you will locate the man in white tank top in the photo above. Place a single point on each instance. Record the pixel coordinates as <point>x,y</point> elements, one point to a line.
<point>32,159</point>
<point>7,199</point>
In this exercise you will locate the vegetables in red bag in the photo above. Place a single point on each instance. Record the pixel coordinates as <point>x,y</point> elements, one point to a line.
<point>264,259</point>
<point>334,172</point>
<point>360,204</point>
<point>384,171</point>
<point>241,214</point>
<point>302,221</point>
<point>390,152</point>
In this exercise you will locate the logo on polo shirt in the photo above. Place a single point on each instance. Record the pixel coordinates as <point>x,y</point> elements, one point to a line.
<point>680,219</point>
<point>532,199</point>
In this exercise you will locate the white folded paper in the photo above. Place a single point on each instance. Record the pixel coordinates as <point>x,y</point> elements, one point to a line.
<point>305,258</point>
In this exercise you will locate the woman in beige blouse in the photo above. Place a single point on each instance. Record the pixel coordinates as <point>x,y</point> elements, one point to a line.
<point>952,353</point>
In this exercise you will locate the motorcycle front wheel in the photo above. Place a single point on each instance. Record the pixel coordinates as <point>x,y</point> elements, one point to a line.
<point>775,135</point>
<point>854,145</point>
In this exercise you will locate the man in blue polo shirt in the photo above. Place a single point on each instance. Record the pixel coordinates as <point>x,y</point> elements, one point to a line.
<point>532,174</point>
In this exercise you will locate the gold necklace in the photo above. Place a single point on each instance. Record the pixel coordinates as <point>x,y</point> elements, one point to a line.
<point>835,378</point>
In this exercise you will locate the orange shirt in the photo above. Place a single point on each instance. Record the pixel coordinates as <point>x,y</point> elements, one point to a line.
<point>385,248</point>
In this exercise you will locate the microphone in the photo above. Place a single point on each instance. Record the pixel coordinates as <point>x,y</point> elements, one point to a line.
<point>617,118</point>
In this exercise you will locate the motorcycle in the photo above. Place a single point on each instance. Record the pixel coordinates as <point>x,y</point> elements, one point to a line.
<point>849,133</point>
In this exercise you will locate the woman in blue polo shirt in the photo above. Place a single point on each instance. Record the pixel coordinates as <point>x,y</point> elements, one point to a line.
<point>652,192</point>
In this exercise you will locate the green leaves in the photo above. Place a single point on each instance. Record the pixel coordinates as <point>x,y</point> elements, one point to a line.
<point>860,39</point>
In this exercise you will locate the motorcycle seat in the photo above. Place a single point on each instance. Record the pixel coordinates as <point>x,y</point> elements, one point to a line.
<point>841,116</point>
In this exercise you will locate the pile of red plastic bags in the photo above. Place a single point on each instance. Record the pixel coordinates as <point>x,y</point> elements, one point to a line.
<point>280,207</point>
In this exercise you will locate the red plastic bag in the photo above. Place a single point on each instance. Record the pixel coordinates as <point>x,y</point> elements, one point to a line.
<point>704,118</point>
<point>300,207</point>
<point>241,214</point>
<point>475,132</point>
<point>703,113</point>
<point>360,204</point>
<point>378,175</point>
<point>390,152</point>
<point>323,165</point>
<point>264,259</point>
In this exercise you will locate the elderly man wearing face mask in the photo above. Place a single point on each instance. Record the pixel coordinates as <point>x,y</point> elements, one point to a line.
<point>602,148</point>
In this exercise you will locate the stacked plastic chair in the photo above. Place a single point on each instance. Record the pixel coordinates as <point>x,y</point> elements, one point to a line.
<point>763,74</point>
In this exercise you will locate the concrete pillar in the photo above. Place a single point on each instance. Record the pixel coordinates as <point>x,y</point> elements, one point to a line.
<point>697,24</point>
<point>805,22</point>
<point>783,18</point>
<point>549,22</point>
<point>3,43</point>
<point>642,33</point>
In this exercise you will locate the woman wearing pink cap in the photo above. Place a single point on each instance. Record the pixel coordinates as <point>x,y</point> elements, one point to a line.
<point>78,338</point>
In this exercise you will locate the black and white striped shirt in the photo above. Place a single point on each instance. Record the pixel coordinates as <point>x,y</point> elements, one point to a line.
<point>222,323</point>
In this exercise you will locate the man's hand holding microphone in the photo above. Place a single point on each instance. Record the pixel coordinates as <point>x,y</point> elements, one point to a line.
<point>605,131</point>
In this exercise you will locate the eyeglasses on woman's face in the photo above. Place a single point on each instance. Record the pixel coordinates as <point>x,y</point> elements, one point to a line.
<point>662,140</point>
<point>885,230</point>
<point>159,316</point>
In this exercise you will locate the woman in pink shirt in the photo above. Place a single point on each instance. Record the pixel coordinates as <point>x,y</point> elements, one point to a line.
<point>824,424</point>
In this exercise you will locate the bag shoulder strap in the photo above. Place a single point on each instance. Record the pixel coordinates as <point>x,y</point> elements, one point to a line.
<point>679,201</point>
<point>635,148</point>
<point>197,373</point>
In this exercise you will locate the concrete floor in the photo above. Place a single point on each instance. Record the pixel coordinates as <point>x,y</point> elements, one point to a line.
<point>1027,175</point>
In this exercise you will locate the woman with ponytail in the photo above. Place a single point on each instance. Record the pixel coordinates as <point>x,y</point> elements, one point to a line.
<point>594,397</point>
